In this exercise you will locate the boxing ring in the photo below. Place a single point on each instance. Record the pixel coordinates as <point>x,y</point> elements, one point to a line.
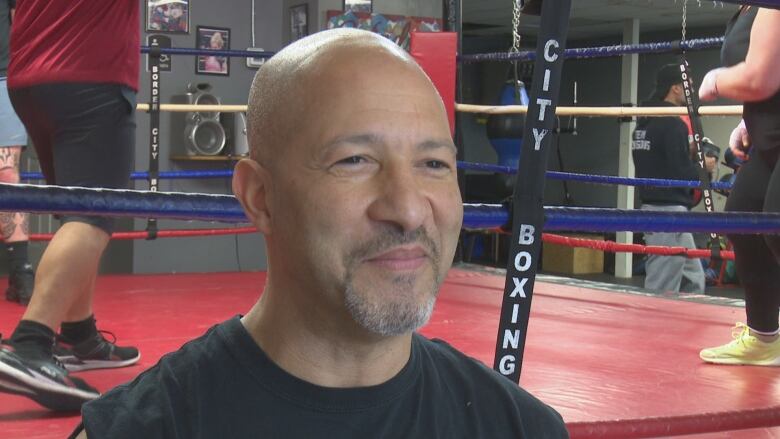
<point>616,362</point>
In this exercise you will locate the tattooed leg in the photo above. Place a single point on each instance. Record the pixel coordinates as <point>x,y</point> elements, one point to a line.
<point>14,226</point>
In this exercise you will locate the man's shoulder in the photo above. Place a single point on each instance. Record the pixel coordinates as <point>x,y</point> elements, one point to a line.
<point>162,392</point>
<point>470,371</point>
<point>209,347</point>
<point>489,390</point>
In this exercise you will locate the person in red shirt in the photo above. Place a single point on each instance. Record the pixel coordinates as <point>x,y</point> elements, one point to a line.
<point>72,79</point>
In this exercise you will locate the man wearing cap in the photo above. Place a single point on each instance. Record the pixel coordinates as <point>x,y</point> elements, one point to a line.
<point>661,148</point>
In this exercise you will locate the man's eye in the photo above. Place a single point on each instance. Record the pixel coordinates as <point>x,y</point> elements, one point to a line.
<point>437,164</point>
<point>354,160</point>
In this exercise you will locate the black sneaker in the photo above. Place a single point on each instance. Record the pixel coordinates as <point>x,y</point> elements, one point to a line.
<point>20,285</point>
<point>94,353</point>
<point>44,381</point>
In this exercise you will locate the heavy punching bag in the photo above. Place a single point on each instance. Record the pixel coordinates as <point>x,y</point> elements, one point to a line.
<point>505,131</point>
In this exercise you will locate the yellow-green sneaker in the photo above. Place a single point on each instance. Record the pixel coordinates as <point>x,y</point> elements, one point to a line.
<point>745,349</point>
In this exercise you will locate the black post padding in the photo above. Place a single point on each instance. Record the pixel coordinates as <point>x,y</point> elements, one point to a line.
<point>154,127</point>
<point>527,201</point>
<point>692,105</point>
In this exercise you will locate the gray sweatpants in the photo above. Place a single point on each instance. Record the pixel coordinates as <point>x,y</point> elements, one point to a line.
<point>672,273</point>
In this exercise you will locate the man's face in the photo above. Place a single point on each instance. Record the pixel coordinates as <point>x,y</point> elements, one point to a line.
<point>176,11</point>
<point>679,94</point>
<point>365,202</point>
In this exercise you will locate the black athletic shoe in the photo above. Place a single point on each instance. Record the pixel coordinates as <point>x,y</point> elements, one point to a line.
<point>94,353</point>
<point>44,381</point>
<point>20,285</point>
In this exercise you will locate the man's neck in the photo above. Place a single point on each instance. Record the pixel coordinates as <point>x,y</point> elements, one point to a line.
<point>326,354</point>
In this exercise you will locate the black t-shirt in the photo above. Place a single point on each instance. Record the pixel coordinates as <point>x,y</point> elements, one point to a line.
<point>735,46</point>
<point>5,32</point>
<point>660,149</point>
<point>223,385</point>
<point>762,118</point>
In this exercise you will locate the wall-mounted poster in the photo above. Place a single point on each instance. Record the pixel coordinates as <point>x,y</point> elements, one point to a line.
<point>357,6</point>
<point>299,22</point>
<point>217,38</point>
<point>396,28</point>
<point>171,16</point>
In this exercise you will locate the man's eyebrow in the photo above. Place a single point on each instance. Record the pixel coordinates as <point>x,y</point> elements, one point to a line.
<point>356,139</point>
<point>374,139</point>
<point>436,144</point>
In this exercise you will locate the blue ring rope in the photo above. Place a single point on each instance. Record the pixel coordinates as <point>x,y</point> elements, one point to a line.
<point>573,53</point>
<point>599,179</point>
<point>582,219</point>
<point>214,52</point>
<point>628,181</point>
<point>164,175</point>
<point>225,208</point>
<point>552,175</point>
<point>602,51</point>
<point>122,203</point>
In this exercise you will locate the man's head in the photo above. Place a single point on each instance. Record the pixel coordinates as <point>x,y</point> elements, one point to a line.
<point>668,85</point>
<point>216,41</point>
<point>352,181</point>
<point>176,10</point>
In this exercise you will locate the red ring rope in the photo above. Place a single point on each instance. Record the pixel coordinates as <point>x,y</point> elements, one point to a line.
<point>615,247</point>
<point>611,246</point>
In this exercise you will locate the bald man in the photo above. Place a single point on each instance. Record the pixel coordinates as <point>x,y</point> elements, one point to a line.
<point>352,180</point>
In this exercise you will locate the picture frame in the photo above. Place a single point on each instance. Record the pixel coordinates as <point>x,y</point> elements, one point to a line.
<point>358,6</point>
<point>168,16</point>
<point>299,21</point>
<point>212,37</point>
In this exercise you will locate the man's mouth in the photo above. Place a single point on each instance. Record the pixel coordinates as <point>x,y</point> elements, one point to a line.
<point>404,258</point>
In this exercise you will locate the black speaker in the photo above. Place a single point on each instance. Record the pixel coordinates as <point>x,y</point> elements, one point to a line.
<point>197,133</point>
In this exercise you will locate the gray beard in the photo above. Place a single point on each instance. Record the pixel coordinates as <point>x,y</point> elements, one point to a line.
<point>390,318</point>
<point>399,313</point>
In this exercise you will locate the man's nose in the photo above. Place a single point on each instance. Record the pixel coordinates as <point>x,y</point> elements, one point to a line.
<point>402,200</point>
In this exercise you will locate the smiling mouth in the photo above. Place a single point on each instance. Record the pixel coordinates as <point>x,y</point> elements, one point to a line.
<point>401,259</point>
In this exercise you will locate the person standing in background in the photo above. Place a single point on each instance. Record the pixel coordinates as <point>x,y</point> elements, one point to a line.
<point>13,225</point>
<point>661,149</point>
<point>72,80</point>
<point>751,56</point>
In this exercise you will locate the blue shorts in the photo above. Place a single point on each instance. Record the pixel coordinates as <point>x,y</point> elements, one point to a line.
<point>12,132</point>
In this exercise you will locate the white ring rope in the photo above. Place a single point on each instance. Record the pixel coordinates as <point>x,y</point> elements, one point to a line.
<point>709,110</point>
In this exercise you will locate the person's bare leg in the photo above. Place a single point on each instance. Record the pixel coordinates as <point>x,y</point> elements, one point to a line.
<point>13,225</point>
<point>82,308</point>
<point>66,275</point>
<point>14,228</point>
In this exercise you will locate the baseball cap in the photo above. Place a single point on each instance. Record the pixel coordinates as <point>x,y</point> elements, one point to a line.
<point>666,77</point>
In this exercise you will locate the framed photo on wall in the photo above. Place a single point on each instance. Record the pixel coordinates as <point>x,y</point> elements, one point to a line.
<point>299,22</point>
<point>168,16</point>
<point>218,38</point>
<point>358,6</point>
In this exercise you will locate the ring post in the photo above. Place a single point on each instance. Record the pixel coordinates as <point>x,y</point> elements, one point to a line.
<point>154,126</point>
<point>527,216</point>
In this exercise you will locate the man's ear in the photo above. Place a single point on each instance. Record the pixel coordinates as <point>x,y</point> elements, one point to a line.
<point>251,187</point>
